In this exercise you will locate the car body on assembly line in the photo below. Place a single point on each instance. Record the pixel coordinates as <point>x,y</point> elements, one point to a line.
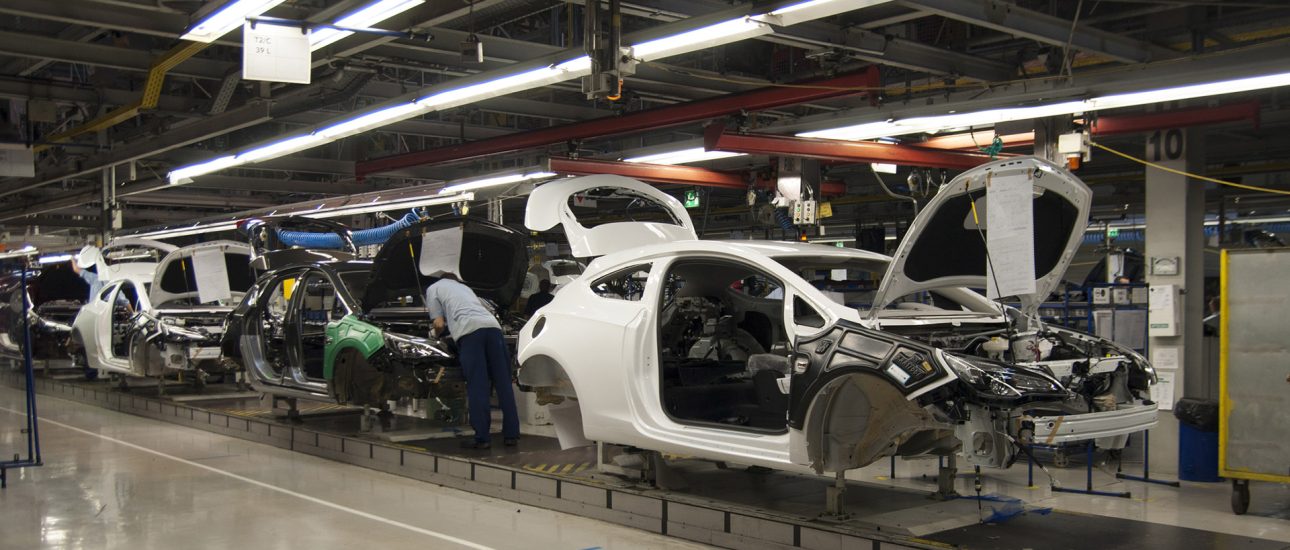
<point>57,293</point>
<point>358,332</point>
<point>725,350</point>
<point>168,323</point>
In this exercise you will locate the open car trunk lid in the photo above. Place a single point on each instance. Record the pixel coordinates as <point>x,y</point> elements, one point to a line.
<point>125,258</point>
<point>488,257</point>
<point>549,205</point>
<point>217,272</point>
<point>946,244</point>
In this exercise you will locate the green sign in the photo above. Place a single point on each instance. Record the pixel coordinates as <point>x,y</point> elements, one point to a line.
<point>1113,232</point>
<point>692,198</point>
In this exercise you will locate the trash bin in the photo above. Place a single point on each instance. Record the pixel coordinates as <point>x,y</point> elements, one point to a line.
<point>1197,439</point>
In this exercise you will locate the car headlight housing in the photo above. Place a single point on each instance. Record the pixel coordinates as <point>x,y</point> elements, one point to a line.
<point>411,347</point>
<point>1000,380</point>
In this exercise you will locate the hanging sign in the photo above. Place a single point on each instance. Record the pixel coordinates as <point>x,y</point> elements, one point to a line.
<point>276,53</point>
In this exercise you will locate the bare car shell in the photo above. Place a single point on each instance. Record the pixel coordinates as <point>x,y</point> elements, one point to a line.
<point>654,347</point>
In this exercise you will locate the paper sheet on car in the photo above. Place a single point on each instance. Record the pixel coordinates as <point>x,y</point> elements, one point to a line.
<point>1010,237</point>
<point>441,251</point>
<point>211,274</point>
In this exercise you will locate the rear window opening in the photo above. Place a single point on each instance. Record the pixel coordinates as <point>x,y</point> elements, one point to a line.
<point>603,205</point>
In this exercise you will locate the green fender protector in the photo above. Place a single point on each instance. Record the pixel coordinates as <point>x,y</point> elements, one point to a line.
<point>350,332</point>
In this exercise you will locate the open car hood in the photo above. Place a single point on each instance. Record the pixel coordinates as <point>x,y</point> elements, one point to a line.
<point>945,248</point>
<point>488,257</point>
<point>176,277</point>
<point>548,205</point>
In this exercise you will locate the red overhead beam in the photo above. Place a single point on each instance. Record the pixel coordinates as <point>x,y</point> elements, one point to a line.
<point>661,117</point>
<point>716,138</point>
<point>1177,118</point>
<point>673,174</point>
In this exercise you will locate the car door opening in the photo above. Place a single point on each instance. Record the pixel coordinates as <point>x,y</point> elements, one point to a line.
<point>723,347</point>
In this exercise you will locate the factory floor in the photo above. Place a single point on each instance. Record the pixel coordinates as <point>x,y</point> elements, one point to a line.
<point>113,480</point>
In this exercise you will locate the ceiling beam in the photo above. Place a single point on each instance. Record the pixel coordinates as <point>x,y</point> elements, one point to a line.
<point>136,19</point>
<point>856,42</point>
<point>36,46</point>
<point>1009,18</point>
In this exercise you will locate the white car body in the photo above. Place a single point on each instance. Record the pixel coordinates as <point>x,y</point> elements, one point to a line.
<point>851,388</point>
<point>144,327</point>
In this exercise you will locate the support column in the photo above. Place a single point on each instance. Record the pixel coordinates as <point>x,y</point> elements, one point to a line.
<point>1175,216</point>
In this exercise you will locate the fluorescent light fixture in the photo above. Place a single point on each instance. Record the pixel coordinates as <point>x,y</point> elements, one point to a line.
<point>471,185</point>
<point>375,119</point>
<point>932,124</point>
<point>815,9</point>
<point>716,34</point>
<point>187,173</point>
<point>721,33</point>
<point>55,258</point>
<point>361,19</point>
<point>383,206</point>
<point>195,229</point>
<point>277,149</point>
<point>509,84</point>
<point>227,18</point>
<point>683,156</point>
<point>28,250</point>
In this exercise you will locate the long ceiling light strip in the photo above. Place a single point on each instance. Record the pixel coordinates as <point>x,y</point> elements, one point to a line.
<point>231,16</point>
<point>683,156</point>
<point>724,32</point>
<point>361,19</point>
<point>356,209</point>
<point>933,124</point>
<point>493,181</point>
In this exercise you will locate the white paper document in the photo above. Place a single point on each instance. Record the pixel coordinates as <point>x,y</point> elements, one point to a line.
<point>441,251</point>
<point>1163,390</point>
<point>1164,357</point>
<point>1010,237</point>
<point>211,274</point>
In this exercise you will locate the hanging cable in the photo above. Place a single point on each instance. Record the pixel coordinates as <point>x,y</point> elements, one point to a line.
<point>1145,162</point>
<point>889,192</point>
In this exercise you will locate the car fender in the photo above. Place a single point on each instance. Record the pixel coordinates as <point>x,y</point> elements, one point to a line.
<point>350,333</point>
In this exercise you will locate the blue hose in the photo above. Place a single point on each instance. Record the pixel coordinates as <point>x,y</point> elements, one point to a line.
<point>332,241</point>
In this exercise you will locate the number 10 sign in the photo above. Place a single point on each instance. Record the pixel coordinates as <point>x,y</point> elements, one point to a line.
<point>275,53</point>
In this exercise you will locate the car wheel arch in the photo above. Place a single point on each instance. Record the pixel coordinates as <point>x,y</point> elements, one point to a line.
<point>857,417</point>
<point>544,371</point>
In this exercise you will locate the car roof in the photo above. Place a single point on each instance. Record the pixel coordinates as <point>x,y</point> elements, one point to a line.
<point>744,248</point>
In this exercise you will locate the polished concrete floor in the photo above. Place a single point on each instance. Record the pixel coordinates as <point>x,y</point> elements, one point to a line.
<point>116,480</point>
<point>112,480</point>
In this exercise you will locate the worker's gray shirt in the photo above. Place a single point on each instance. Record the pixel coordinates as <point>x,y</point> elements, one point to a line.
<point>460,308</point>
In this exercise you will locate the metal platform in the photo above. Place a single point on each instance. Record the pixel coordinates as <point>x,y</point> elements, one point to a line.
<point>732,507</point>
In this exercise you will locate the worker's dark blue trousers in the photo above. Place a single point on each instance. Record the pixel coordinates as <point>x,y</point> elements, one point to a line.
<point>486,364</point>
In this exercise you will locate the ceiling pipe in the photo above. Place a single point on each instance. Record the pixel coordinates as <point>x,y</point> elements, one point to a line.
<point>717,138</point>
<point>650,119</point>
<point>675,174</point>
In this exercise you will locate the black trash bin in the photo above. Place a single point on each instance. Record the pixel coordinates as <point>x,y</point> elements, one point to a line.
<point>1197,439</point>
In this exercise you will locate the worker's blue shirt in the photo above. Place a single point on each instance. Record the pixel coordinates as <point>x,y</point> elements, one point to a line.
<point>463,312</point>
<point>92,279</point>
